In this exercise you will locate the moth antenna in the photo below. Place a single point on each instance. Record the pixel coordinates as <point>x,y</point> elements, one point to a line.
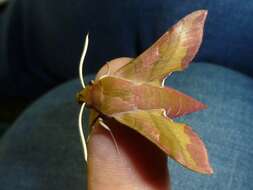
<point>81,132</point>
<point>86,43</point>
<point>100,120</point>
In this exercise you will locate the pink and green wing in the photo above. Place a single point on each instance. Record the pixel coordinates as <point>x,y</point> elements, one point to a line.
<point>177,140</point>
<point>172,52</point>
<point>120,95</point>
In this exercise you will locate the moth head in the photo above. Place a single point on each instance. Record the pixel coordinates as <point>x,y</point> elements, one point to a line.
<point>85,95</point>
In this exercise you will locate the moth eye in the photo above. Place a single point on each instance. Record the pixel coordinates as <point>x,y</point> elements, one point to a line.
<point>91,82</point>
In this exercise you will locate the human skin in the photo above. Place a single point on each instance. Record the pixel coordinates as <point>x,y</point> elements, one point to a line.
<point>124,160</point>
<point>129,162</point>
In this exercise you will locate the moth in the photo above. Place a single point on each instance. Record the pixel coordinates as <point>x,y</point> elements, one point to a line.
<point>133,94</point>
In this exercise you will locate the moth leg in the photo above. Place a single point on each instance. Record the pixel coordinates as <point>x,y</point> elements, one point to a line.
<point>94,121</point>
<point>101,122</point>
